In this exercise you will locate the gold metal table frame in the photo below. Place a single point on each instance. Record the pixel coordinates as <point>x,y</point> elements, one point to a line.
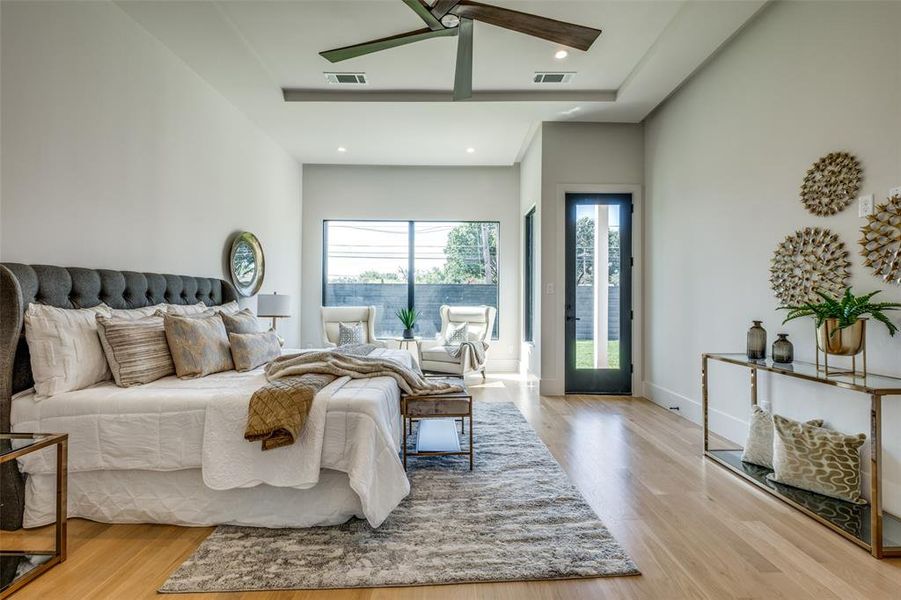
<point>58,555</point>
<point>871,533</point>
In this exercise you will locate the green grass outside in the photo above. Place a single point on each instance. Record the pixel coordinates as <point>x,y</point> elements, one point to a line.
<point>585,354</point>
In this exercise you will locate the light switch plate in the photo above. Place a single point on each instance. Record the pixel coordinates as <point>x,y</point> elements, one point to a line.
<point>895,191</point>
<point>865,205</point>
<point>550,288</point>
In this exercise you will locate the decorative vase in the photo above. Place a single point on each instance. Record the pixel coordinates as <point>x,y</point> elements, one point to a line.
<point>783,350</point>
<point>757,341</point>
<point>408,333</point>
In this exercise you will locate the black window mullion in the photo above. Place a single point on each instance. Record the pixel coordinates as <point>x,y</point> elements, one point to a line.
<point>411,265</point>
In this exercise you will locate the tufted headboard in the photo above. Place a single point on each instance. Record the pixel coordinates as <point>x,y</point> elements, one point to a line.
<point>72,287</point>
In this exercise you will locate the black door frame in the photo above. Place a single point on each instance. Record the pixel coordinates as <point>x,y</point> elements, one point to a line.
<point>599,381</point>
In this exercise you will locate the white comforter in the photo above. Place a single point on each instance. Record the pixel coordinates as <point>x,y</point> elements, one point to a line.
<point>173,424</point>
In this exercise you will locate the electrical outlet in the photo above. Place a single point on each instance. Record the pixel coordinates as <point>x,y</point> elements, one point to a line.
<point>550,288</point>
<point>895,191</point>
<point>865,205</point>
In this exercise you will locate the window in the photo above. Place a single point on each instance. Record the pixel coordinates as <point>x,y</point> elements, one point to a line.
<point>529,278</point>
<point>369,262</point>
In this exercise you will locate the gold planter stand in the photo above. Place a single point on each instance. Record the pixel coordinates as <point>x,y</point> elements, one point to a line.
<point>850,341</point>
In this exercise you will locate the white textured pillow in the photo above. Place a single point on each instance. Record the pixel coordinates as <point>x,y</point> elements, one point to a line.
<point>65,348</point>
<point>350,333</point>
<point>137,313</point>
<point>181,310</point>
<point>457,333</point>
<point>759,445</point>
<point>229,308</point>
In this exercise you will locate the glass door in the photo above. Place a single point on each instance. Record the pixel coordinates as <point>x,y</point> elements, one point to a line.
<point>598,316</point>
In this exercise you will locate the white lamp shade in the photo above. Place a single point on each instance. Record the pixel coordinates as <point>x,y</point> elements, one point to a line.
<point>273,305</point>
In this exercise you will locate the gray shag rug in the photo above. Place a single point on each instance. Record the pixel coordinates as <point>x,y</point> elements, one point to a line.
<point>515,517</point>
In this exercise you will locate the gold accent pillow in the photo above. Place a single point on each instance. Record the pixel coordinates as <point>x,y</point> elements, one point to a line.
<point>250,350</point>
<point>136,349</point>
<point>817,459</point>
<point>199,345</point>
<point>243,321</point>
<point>759,445</point>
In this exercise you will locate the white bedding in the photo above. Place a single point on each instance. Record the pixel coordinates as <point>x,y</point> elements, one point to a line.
<point>174,424</point>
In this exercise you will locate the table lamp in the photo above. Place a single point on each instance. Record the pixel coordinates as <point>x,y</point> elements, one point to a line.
<point>273,305</point>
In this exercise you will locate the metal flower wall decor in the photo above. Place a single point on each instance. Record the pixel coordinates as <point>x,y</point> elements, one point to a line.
<point>808,260</point>
<point>831,183</point>
<point>880,242</point>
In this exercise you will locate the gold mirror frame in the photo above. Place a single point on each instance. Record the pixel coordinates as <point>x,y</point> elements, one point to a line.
<point>880,242</point>
<point>808,260</point>
<point>245,287</point>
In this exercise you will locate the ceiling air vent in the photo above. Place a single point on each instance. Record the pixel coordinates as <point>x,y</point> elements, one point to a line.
<point>552,77</point>
<point>347,78</point>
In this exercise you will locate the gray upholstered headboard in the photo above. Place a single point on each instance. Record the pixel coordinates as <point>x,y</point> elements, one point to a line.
<point>72,287</point>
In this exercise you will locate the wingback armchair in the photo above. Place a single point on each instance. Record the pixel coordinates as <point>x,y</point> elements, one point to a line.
<point>479,324</point>
<point>333,315</point>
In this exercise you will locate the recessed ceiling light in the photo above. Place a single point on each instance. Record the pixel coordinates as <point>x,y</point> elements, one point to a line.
<point>561,54</point>
<point>470,150</point>
<point>342,149</point>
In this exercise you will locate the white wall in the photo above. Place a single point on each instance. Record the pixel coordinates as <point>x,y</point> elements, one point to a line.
<point>725,159</point>
<point>116,155</point>
<point>529,198</point>
<point>582,157</point>
<point>434,193</point>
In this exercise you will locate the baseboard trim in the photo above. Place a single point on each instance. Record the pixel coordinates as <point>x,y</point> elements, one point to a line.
<point>723,423</point>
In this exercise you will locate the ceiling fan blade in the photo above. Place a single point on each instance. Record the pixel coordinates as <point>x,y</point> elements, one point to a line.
<point>463,74</point>
<point>425,13</point>
<point>442,7</point>
<point>339,54</point>
<point>567,34</point>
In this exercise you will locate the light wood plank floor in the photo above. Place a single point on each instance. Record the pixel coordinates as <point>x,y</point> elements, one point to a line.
<point>694,530</point>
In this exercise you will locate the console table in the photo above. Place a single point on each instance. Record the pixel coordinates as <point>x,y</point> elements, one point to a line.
<point>867,526</point>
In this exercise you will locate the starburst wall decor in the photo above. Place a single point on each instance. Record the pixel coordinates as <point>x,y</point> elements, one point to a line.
<point>808,260</point>
<point>880,242</point>
<point>831,184</point>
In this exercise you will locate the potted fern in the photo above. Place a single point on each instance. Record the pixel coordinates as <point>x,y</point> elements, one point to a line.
<point>841,322</point>
<point>407,317</point>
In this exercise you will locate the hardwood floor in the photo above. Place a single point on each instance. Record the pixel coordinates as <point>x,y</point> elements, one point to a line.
<point>694,530</point>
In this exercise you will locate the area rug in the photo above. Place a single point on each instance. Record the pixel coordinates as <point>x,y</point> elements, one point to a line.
<point>514,517</point>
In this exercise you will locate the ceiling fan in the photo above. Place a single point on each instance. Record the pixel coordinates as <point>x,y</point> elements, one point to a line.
<point>454,17</point>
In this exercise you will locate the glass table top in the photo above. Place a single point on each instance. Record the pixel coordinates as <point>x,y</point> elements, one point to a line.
<point>10,442</point>
<point>871,384</point>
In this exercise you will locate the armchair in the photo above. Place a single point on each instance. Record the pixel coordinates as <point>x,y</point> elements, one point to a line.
<point>332,315</point>
<point>479,324</point>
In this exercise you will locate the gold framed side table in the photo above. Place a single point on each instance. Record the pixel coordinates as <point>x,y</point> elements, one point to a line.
<point>20,566</point>
<point>869,526</point>
<point>442,410</point>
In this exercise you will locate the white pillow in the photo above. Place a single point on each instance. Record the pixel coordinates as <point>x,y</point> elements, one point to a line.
<point>182,310</point>
<point>65,348</point>
<point>457,333</point>
<point>137,313</point>
<point>229,308</point>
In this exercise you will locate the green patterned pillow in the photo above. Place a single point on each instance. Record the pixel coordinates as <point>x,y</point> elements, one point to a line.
<point>759,445</point>
<point>199,345</point>
<point>817,459</point>
<point>250,350</point>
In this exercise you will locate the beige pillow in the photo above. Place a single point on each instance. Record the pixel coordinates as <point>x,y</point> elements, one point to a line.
<point>65,349</point>
<point>199,346</point>
<point>250,350</point>
<point>817,459</point>
<point>759,445</point>
<point>241,322</point>
<point>185,309</point>
<point>136,349</point>
<point>137,313</point>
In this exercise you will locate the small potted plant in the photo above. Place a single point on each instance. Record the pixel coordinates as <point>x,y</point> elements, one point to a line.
<point>841,322</point>
<point>408,317</point>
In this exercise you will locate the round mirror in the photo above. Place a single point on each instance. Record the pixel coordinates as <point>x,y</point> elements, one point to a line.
<point>247,264</point>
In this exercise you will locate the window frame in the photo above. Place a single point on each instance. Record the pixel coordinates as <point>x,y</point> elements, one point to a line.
<point>529,276</point>
<point>411,257</point>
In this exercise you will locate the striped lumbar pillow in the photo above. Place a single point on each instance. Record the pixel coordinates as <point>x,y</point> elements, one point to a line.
<point>136,349</point>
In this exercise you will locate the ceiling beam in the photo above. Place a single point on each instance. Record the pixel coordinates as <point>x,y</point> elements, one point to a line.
<point>316,95</point>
